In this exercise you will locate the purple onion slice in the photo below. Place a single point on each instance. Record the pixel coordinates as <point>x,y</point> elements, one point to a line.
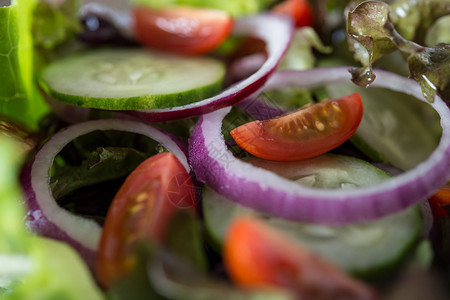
<point>45,217</point>
<point>276,31</point>
<point>265,191</point>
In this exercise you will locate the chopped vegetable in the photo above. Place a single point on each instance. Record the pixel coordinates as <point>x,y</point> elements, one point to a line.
<point>75,166</point>
<point>45,216</point>
<point>236,8</point>
<point>18,95</point>
<point>185,30</point>
<point>440,202</point>
<point>215,165</point>
<point>258,256</point>
<point>414,19</point>
<point>372,35</point>
<point>54,23</point>
<point>300,55</point>
<point>131,78</point>
<point>305,133</point>
<point>366,249</point>
<point>403,132</point>
<point>300,11</point>
<point>141,210</point>
<point>29,263</point>
<point>275,31</point>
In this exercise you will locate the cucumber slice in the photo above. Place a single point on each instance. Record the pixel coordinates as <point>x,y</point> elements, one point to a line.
<point>131,79</point>
<point>364,249</point>
<point>396,128</point>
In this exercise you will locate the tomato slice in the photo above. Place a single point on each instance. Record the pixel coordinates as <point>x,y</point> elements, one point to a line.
<point>299,10</point>
<point>305,133</point>
<point>142,209</point>
<point>186,30</point>
<point>258,256</point>
<point>440,202</point>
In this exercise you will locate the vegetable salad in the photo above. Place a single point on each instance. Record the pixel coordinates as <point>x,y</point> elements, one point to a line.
<point>263,149</point>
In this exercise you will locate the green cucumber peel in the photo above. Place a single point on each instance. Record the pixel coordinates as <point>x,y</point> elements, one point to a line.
<point>233,7</point>
<point>131,79</point>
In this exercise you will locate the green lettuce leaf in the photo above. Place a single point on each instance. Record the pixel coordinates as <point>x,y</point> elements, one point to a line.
<point>102,165</point>
<point>439,32</point>
<point>184,237</point>
<point>54,271</point>
<point>233,7</point>
<point>300,54</point>
<point>19,97</point>
<point>32,267</point>
<point>412,19</point>
<point>88,172</point>
<point>54,23</point>
<point>373,35</point>
<point>12,229</point>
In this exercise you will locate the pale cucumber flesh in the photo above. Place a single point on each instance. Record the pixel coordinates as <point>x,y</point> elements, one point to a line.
<point>131,78</point>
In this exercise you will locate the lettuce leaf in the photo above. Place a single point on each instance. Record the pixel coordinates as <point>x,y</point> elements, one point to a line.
<point>32,267</point>
<point>54,23</point>
<point>48,276</point>
<point>372,35</point>
<point>19,97</point>
<point>439,32</point>
<point>412,19</point>
<point>103,164</point>
<point>12,229</point>
<point>300,55</point>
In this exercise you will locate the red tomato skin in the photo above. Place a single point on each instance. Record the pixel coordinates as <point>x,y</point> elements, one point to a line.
<point>257,256</point>
<point>140,210</point>
<point>299,10</point>
<point>440,199</point>
<point>184,30</point>
<point>303,134</point>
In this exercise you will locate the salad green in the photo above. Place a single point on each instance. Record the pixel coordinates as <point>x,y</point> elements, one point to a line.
<point>18,93</point>
<point>40,41</point>
<point>372,35</point>
<point>29,262</point>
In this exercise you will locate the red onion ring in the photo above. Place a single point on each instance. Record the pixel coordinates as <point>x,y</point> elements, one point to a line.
<point>45,217</point>
<point>263,190</point>
<point>245,66</point>
<point>276,31</point>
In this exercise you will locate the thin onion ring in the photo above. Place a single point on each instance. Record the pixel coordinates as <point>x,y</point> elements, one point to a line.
<point>275,30</point>
<point>45,216</point>
<point>259,189</point>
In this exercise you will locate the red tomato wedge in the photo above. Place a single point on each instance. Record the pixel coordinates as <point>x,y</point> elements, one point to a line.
<point>305,133</point>
<point>182,29</point>
<point>440,202</point>
<point>258,256</point>
<point>299,10</point>
<point>141,210</point>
